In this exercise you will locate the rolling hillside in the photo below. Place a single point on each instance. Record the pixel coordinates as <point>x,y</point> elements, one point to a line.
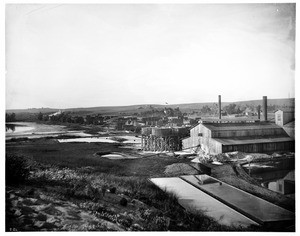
<point>188,107</point>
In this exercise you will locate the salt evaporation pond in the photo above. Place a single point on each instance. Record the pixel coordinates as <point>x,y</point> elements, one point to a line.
<point>117,156</point>
<point>113,156</point>
<point>88,140</point>
<point>33,130</point>
<point>223,202</point>
<point>195,200</point>
<point>129,140</point>
<point>255,208</point>
<point>17,128</point>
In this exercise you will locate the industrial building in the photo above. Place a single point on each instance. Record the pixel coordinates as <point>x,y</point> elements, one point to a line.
<point>246,135</point>
<point>162,139</point>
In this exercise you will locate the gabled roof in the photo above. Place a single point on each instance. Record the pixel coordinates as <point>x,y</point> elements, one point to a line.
<point>249,140</point>
<point>227,119</point>
<point>239,126</point>
<point>286,109</point>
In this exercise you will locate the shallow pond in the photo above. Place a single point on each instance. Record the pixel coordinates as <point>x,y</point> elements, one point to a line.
<point>107,139</point>
<point>282,181</point>
<point>35,130</point>
<point>17,128</point>
<point>278,176</point>
<point>88,140</point>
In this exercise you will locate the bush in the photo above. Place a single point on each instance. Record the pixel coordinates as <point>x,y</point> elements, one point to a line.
<point>16,169</point>
<point>123,201</point>
<point>113,190</point>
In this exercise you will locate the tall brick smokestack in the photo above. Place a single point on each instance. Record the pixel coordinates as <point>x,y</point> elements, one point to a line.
<point>258,111</point>
<point>220,115</point>
<point>265,108</point>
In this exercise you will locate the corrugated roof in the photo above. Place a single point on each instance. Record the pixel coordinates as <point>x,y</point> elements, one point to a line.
<point>239,126</point>
<point>228,119</point>
<point>230,141</point>
<point>286,109</point>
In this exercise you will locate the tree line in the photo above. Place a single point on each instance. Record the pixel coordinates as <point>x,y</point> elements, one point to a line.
<point>165,112</point>
<point>67,117</point>
<point>10,117</point>
<point>234,109</point>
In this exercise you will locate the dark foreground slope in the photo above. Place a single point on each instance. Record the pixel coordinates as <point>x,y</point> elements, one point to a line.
<point>69,188</point>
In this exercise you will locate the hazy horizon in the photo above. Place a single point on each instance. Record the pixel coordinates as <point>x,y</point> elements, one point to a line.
<point>90,55</point>
<point>144,104</point>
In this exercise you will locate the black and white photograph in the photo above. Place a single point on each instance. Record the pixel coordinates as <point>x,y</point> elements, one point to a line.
<point>149,117</point>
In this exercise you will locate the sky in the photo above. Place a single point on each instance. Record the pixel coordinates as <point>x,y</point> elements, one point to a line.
<point>65,55</point>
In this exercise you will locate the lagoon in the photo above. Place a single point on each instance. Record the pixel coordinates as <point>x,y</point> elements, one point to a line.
<point>35,130</point>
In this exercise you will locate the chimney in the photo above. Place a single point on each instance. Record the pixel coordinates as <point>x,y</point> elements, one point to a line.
<point>265,108</point>
<point>258,112</point>
<point>220,115</point>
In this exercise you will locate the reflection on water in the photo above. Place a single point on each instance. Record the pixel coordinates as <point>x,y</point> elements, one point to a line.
<point>10,127</point>
<point>16,128</point>
<point>276,175</point>
<point>34,130</point>
<point>279,181</point>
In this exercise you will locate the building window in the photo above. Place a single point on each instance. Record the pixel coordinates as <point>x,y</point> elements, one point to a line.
<point>280,187</point>
<point>279,117</point>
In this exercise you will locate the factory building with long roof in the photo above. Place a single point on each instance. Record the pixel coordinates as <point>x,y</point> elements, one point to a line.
<point>246,135</point>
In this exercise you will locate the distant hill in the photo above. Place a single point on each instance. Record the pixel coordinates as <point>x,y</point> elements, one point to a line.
<point>282,102</point>
<point>188,107</point>
<point>33,110</point>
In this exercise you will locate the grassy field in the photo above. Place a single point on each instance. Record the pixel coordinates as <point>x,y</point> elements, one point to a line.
<point>79,155</point>
<point>71,174</point>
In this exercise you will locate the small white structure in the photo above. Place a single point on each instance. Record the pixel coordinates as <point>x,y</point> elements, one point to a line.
<point>56,113</point>
<point>284,116</point>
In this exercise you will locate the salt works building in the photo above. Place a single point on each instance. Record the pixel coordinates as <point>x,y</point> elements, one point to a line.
<point>246,135</point>
<point>163,139</point>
